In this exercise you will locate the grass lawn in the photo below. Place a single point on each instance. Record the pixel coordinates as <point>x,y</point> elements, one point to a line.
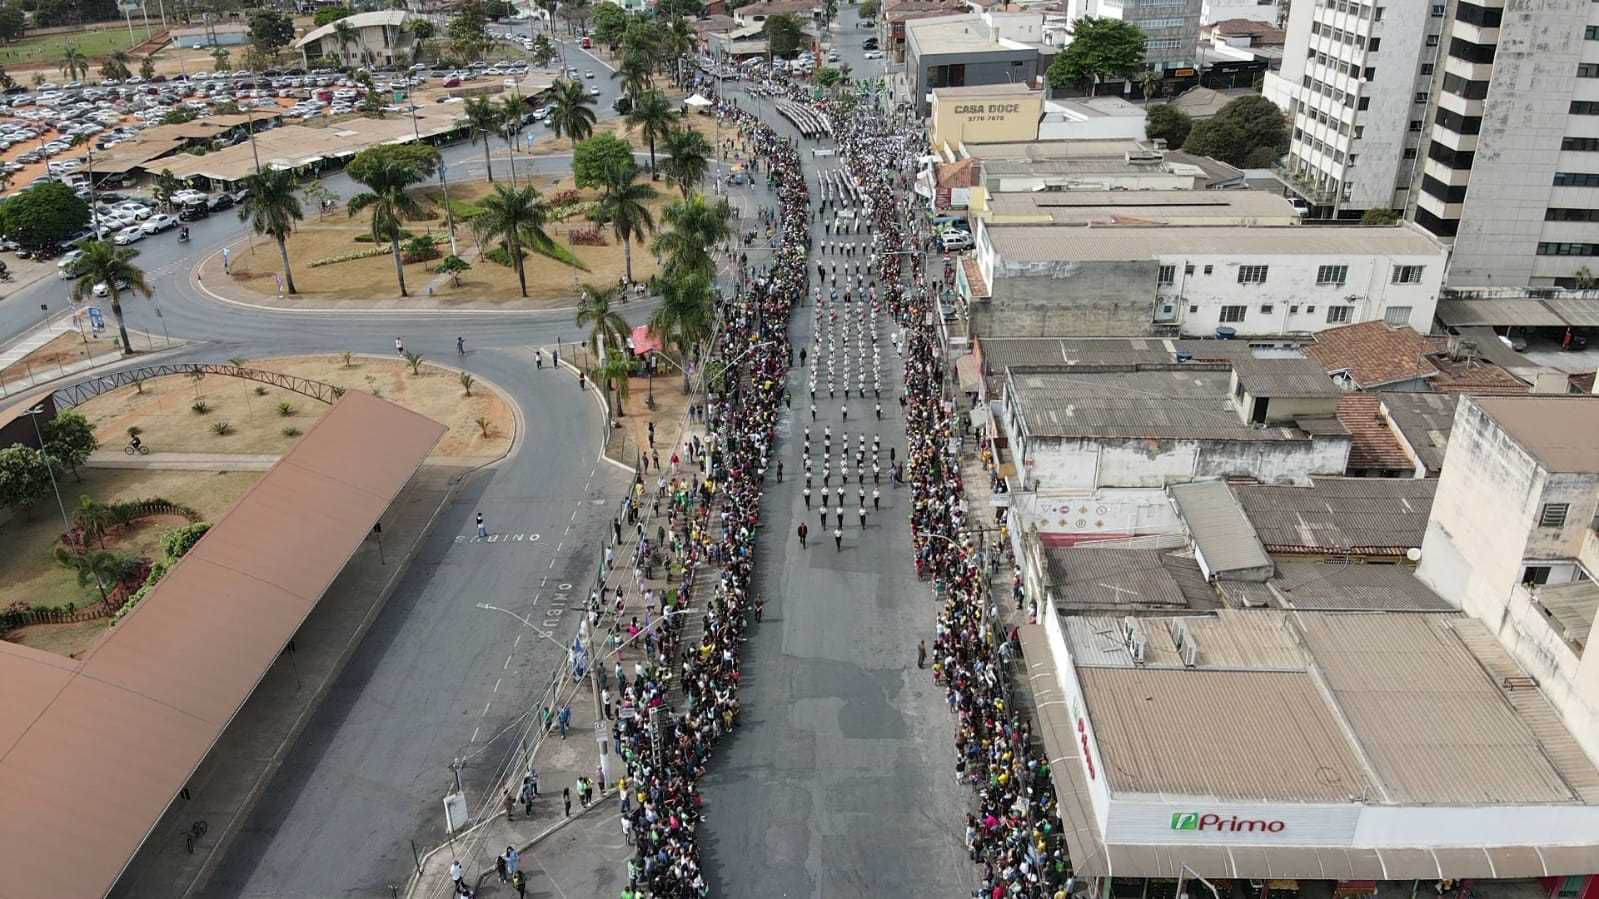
<point>48,49</point>
<point>373,278</point>
<point>169,425</point>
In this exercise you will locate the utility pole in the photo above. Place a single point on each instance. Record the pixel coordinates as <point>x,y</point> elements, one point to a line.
<point>449,215</point>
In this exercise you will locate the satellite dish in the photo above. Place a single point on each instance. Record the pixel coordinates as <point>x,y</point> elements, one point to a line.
<point>1413,554</point>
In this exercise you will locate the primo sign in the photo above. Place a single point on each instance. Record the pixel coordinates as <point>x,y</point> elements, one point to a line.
<point>1229,824</point>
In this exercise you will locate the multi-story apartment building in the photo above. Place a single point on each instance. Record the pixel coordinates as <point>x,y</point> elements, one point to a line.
<point>1510,168</point>
<point>1171,27</point>
<point>1355,82</point>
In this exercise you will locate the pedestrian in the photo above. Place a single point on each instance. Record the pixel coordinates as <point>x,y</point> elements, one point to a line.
<point>566,800</point>
<point>519,880</point>
<point>481,530</point>
<point>399,347</point>
<point>605,700</point>
<point>803,533</point>
<point>581,382</point>
<point>533,780</point>
<point>807,497</point>
<point>779,471</point>
<point>555,359</point>
<point>921,654</point>
<point>510,806</point>
<point>861,512</point>
<point>538,357</point>
<point>876,499</point>
<point>565,718</point>
<point>460,346</point>
<point>501,870</point>
<point>457,873</point>
<point>838,535</point>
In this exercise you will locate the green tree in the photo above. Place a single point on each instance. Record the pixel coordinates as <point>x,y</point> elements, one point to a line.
<point>166,184</point>
<point>24,477</point>
<point>1250,132</point>
<point>330,14</point>
<point>270,30</point>
<point>178,115</point>
<point>74,65</point>
<point>272,208</point>
<point>13,23</point>
<point>46,213</point>
<point>1167,122</point>
<point>516,217</point>
<point>466,29</point>
<point>386,182</point>
<point>147,67</point>
<point>69,439</point>
<point>685,317</point>
<point>98,567</point>
<point>423,158</point>
<point>1101,49</point>
<point>610,23</point>
<point>453,266</point>
<point>116,67</point>
<point>693,228</point>
<point>543,51</point>
<point>221,60</point>
<point>570,114</point>
<point>613,376</point>
<point>594,160</point>
<point>785,36</point>
<point>1379,218</point>
<point>102,263</point>
<point>868,9</point>
<point>680,9</point>
<point>624,206</point>
<point>654,116</point>
<point>688,157</point>
<point>423,31</point>
<point>597,311</point>
<point>678,41</point>
<point>483,118</point>
<point>828,77</point>
<point>634,72</point>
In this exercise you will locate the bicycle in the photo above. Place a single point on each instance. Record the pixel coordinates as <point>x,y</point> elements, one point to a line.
<point>193,834</point>
<point>139,448</point>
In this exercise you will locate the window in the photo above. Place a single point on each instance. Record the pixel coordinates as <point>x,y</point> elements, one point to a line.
<point>1468,51</point>
<point>1372,46</point>
<point>1568,249</point>
<point>1193,310</point>
<point>1233,313</point>
<point>1376,15</point>
<point>1338,315</point>
<point>1208,269</point>
<point>1396,315</point>
<point>1437,9</point>
<point>1553,515</point>
<point>1252,274</point>
<point>1426,68</point>
<point>1188,269</point>
<point>1465,87</point>
<point>1588,70</point>
<point>1534,575</point>
<point>1432,40</point>
<point>1415,125</point>
<point>1410,152</point>
<point>1563,214</point>
<point>1168,275</point>
<point>1591,33</point>
<point>1459,124</point>
<point>1332,274</point>
<point>1310,310</point>
<point>1360,131</point>
<point>1581,144</point>
<point>1408,274</point>
<point>1293,310</point>
<point>1585,107</point>
<point>1265,309</point>
<point>1365,103</point>
<point>1421,96</point>
<point>1576,179</point>
<point>1481,16</point>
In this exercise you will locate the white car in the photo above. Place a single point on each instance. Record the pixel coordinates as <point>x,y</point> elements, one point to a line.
<point>873,54</point>
<point>594,92</point>
<point>64,267</point>
<point>130,234</point>
<point>101,290</point>
<point>588,74</point>
<point>159,223</point>
<point>955,240</point>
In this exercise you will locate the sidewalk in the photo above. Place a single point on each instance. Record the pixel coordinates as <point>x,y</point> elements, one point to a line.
<point>32,341</point>
<point>228,783</point>
<point>117,458</point>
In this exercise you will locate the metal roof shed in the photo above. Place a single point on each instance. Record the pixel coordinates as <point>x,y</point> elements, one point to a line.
<point>1227,543</point>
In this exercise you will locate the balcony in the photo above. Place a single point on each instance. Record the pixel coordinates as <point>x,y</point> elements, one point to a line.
<point>1308,189</point>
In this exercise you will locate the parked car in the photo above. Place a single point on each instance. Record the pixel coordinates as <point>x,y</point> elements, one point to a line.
<point>159,223</point>
<point>955,240</point>
<point>130,234</point>
<point>193,212</point>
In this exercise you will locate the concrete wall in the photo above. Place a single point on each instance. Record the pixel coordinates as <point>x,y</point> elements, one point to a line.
<point>1084,300</point>
<point>1091,463</point>
<point>1212,11</point>
<point>993,65</point>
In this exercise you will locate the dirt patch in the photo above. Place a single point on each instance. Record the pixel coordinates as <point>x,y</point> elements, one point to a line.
<point>71,640</point>
<point>34,578</point>
<point>373,278</point>
<point>164,407</point>
<point>64,349</point>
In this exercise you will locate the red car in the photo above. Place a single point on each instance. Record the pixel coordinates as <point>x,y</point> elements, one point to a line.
<point>588,42</point>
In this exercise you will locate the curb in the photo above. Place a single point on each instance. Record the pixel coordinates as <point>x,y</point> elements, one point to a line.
<point>604,413</point>
<point>516,412</point>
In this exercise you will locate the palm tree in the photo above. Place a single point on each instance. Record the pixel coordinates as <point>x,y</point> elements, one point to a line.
<point>344,34</point>
<point>483,118</point>
<point>74,65</point>
<point>517,217</point>
<point>634,73</point>
<point>570,114</point>
<point>678,40</point>
<point>597,311</point>
<point>511,127</point>
<point>617,369</point>
<point>1151,84</point>
<point>623,206</point>
<point>684,318</point>
<point>653,115</point>
<point>385,194</point>
<point>272,208</point>
<point>688,158</point>
<point>694,226</point>
<point>102,263</point>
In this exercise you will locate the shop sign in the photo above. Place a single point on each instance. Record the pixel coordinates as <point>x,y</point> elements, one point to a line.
<point>1228,824</point>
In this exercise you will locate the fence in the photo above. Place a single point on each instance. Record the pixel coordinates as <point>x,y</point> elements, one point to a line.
<point>18,618</point>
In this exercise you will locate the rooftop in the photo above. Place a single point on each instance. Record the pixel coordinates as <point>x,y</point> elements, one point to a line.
<point>1571,607</point>
<point>1176,403</point>
<point>1562,432</point>
<point>1424,420</point>
<point>1144,207</point>
<point>985,90</point>
<point>387,17</point>
<point>775,8</point>
<point>1375,353</point>
<point>1039,150</point>
<point>1363,516</point>
<point>1042,243</point>
<point>1200,102</point>
<point>1373,445</point>
<point>957,34</point>
<point>1291,378</point>
<point>1121,580</point>
<point>1221,530</point>
<point>1337,586</point>
<point>1408,695</point>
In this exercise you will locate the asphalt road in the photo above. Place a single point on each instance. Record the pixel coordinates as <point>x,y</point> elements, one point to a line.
<point>838,780</point>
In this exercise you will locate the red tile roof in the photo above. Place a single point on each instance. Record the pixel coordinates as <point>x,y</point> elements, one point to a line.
<point>1375,353</point>
<point>1373,443</point>
<point>974,277</point>
<point>1478,377</point>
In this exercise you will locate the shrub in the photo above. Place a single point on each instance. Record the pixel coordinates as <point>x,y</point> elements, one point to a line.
<point>178,541</point>
<point>367,238</point>
<point>588,237</point>
<point>347,356</point>
<point>467,381</point>
<point>291,431</point>
<point>483,424</point>
<point>562,198</point>
<point>421,249</point>
<point>501,256</point>
<point>415,361</point>
<point>260,391</point>
<point>287,409</point>
<point>348,257</point>
<point>221,428</point>
<point>138,385</point>
<point>200,407</point>
<point>236,361</point>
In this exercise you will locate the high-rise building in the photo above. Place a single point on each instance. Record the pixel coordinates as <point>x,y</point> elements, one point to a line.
<point>1355,82</point>
<point>1511,163</point>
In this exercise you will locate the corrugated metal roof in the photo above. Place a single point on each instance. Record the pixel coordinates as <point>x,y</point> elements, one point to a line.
<point>1497,313</point>
<point>1572,606</point>
<point>1226,640</point>
<point>1044,243</point>
<point>1428,719</point>
<point>1424,419</point>
<point>1115,578</point>
<point>1268,735</point>
<point>1284,377</point>
<point>1177,403</point>
<point>1339,515</point>
<point>162,686</point>
<point>1219,526</point>
<point>1340,586</point>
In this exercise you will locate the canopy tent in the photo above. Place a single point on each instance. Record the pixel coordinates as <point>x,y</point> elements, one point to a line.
<point>696,101</point>
<point>644,342</point>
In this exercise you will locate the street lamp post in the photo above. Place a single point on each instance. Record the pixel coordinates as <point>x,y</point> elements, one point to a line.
<point>34,414</point>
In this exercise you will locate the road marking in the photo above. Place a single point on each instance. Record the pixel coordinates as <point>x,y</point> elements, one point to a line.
<point>558,547</point>
<point>552,561</point>
<point>574,516</point>
<point>497,684</point>
<point>517,643</point>
<point>474,734</point>
<point>507,663</point>
<point>486,708</point>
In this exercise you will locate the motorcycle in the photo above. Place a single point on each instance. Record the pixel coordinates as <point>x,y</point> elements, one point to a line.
<point>183,236</point>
